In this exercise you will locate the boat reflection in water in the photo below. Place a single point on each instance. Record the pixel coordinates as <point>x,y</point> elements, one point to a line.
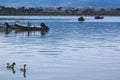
<point>30,33</point>
<point>5,30</point>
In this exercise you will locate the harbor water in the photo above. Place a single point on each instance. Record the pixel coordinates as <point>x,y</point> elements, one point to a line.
<point>70,50</point>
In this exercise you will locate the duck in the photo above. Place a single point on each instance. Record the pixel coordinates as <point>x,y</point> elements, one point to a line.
<point>11,65</point>
<point>23,67</point>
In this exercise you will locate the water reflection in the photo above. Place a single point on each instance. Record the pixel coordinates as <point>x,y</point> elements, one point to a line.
<point>30,33</point>
<point>27,33</point>
<point>24,74</point>
<point>6,31</point>
<point>12,69</point>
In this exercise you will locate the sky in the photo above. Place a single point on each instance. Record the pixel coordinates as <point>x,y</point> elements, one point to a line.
<point>62,3</point>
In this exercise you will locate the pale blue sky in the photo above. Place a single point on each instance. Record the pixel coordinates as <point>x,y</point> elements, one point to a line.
<point>57,3</point>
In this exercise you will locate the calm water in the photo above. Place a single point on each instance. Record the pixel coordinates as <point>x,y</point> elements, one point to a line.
<point>69,51</point>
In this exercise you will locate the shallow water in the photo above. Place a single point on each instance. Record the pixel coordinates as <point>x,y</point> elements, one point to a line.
<point>70,50</point>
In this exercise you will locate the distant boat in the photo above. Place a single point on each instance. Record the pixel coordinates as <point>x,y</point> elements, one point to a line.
<point>81,19</point>
<point>99,17</point>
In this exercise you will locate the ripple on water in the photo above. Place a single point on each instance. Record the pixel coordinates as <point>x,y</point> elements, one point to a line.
<point>28,55</point>
<point>79,47</point>
<point>21,52</point>
<point>50,52</point>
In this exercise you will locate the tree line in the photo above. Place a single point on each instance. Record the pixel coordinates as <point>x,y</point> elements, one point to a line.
<point>59,11</point>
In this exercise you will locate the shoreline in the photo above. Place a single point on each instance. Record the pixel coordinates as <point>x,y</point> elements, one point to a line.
<point>58,11</point>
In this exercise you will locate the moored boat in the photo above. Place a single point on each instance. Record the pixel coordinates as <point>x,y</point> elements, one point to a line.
<point>28,27</point>
<point>99,17</point>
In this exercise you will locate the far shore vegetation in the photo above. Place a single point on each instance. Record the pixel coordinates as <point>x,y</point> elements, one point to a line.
<point>63,11</point>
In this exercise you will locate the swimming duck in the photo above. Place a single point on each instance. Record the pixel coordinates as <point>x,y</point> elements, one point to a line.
<point>11,65</point>
<point>23,67</point>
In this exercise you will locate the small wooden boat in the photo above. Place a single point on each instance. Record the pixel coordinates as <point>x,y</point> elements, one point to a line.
<point>81,19</point>
<point>99,17</point>
<point>21,27</point>
<point>26,28</point>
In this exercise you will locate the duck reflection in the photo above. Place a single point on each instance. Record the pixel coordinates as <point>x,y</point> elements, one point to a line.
<point>13,71</point>
<point>24,74</point>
